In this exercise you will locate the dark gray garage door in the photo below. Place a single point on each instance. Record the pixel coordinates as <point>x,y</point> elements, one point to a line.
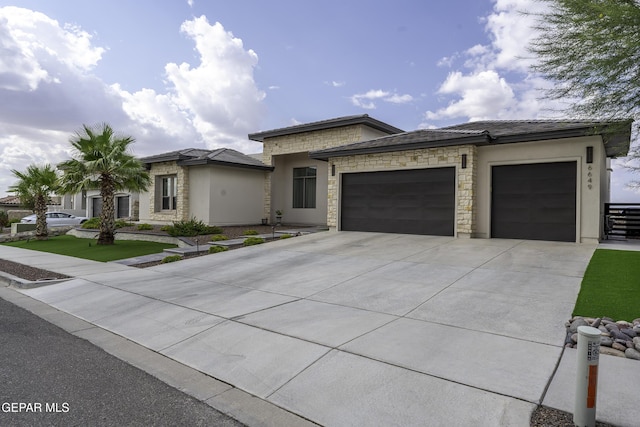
<point>417,201</point>
<point>534,201</point>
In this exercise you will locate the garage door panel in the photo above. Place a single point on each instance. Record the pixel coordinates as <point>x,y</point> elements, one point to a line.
<point>419,201</point>
<point>534,201</point>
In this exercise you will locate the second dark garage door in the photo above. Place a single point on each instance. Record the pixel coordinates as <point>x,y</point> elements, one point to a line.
<point>534,201</point>
<point>416,201</point>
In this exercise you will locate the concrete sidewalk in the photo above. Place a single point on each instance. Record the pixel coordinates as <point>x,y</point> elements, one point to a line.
<point>353,328</point>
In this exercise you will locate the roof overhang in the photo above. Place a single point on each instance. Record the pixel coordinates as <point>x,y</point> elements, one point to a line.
<point>616,136</point>
<point>363,119</point>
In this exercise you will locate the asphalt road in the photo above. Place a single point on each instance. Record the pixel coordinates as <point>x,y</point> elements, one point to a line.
<point>50,377</point>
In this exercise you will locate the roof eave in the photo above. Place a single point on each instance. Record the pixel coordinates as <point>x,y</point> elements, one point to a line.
<point>200,162</point>
<point>616,144</point>
<point>311,127</point>
<point>469,140</point>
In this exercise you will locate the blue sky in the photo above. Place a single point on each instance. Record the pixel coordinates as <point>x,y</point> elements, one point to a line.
<point>178,73</point>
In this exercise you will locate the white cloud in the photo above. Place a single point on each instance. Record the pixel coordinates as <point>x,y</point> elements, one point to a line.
<point>48,91</point>
<point>495,81</point>
<point>215,102</point>
<point>35,49</point>
<point>482,95</point>
<point>367,100</point>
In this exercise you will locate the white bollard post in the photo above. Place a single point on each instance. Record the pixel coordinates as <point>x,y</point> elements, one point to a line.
<point>584,414</point>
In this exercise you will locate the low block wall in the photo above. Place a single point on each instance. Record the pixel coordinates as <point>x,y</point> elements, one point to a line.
<point>145,237</point>
<point>18,227</point>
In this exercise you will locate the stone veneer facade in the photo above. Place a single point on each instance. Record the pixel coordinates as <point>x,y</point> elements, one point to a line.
<point>159,170</point>
<point>302,143</point>
<point>415,159</point>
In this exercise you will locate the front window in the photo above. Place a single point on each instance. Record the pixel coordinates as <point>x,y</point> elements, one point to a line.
<point>304,187</point>
<point>169,193</point>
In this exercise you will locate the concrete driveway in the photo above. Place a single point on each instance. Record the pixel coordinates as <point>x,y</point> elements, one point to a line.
<point>350,328</point>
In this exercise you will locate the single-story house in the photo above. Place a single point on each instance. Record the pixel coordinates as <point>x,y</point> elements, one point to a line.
<point>535,180</point>
<point>10,202</point>
<point>89,203</point>
<point>218,187</point>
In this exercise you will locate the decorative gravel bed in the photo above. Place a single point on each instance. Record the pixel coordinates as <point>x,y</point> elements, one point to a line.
<point>619,338</point>
<point>28,273</point>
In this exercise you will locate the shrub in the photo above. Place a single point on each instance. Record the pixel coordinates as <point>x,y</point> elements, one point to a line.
<point>122,223</point>
<point>94,223</point>
<point>215,249</point>
<point>171,258</point>
<point>190,228</point>
<point>4,219</point>
<point>166,228</point>
<point>250,233</point>
<point>142,227</point>
<point>285,236</point>
<point>250,241</point>
<point>218,237</point>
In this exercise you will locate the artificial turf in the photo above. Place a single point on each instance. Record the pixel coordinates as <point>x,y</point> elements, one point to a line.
<point>611,286</point>
<point>88,249</point>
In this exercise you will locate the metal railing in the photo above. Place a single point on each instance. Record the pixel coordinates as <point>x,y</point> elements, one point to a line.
<point>622,220</point>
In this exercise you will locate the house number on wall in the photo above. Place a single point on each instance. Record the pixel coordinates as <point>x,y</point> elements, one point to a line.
<point>589,178</point>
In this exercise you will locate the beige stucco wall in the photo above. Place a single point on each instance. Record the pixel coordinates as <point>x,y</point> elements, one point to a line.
<point>412,159</point>
<point>283,196</point>
<point>289,151</point>
<point>590,195</point>
<point>222,195</point>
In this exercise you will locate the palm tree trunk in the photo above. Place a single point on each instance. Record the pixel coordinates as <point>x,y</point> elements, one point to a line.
<point>41,218</point>
<point>107,216</point>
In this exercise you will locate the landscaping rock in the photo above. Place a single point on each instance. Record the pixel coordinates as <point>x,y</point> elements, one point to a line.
<point>618,346</point>
<point>612,327</point>
<point>612,352</point>
<point>606,341</point>
<point>618,338</point>
<point>577,323</point>
<point>632,353</point>
<point>616,334</point>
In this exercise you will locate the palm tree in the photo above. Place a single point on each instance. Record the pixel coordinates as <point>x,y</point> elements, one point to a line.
<point>35,185</point>
<point>102,161</point>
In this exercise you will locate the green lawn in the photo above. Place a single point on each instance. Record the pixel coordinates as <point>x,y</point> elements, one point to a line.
<point>611,286</point>
<point>88,249</point>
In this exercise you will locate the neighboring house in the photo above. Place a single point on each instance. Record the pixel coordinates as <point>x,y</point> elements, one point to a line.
<point>535,180</point>
<point>10,202</point>
<point>298,185</point>
<point>89,203</point>
<point>218,187</point>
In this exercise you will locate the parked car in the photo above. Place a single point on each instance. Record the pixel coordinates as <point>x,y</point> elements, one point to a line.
<point>56,219</point>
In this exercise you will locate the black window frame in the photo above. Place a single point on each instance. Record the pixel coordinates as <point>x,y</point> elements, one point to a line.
<point>168,201</point>
<point>304,187</point>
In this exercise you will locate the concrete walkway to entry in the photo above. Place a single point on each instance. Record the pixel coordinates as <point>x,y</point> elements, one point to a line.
<point>349,328</point>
